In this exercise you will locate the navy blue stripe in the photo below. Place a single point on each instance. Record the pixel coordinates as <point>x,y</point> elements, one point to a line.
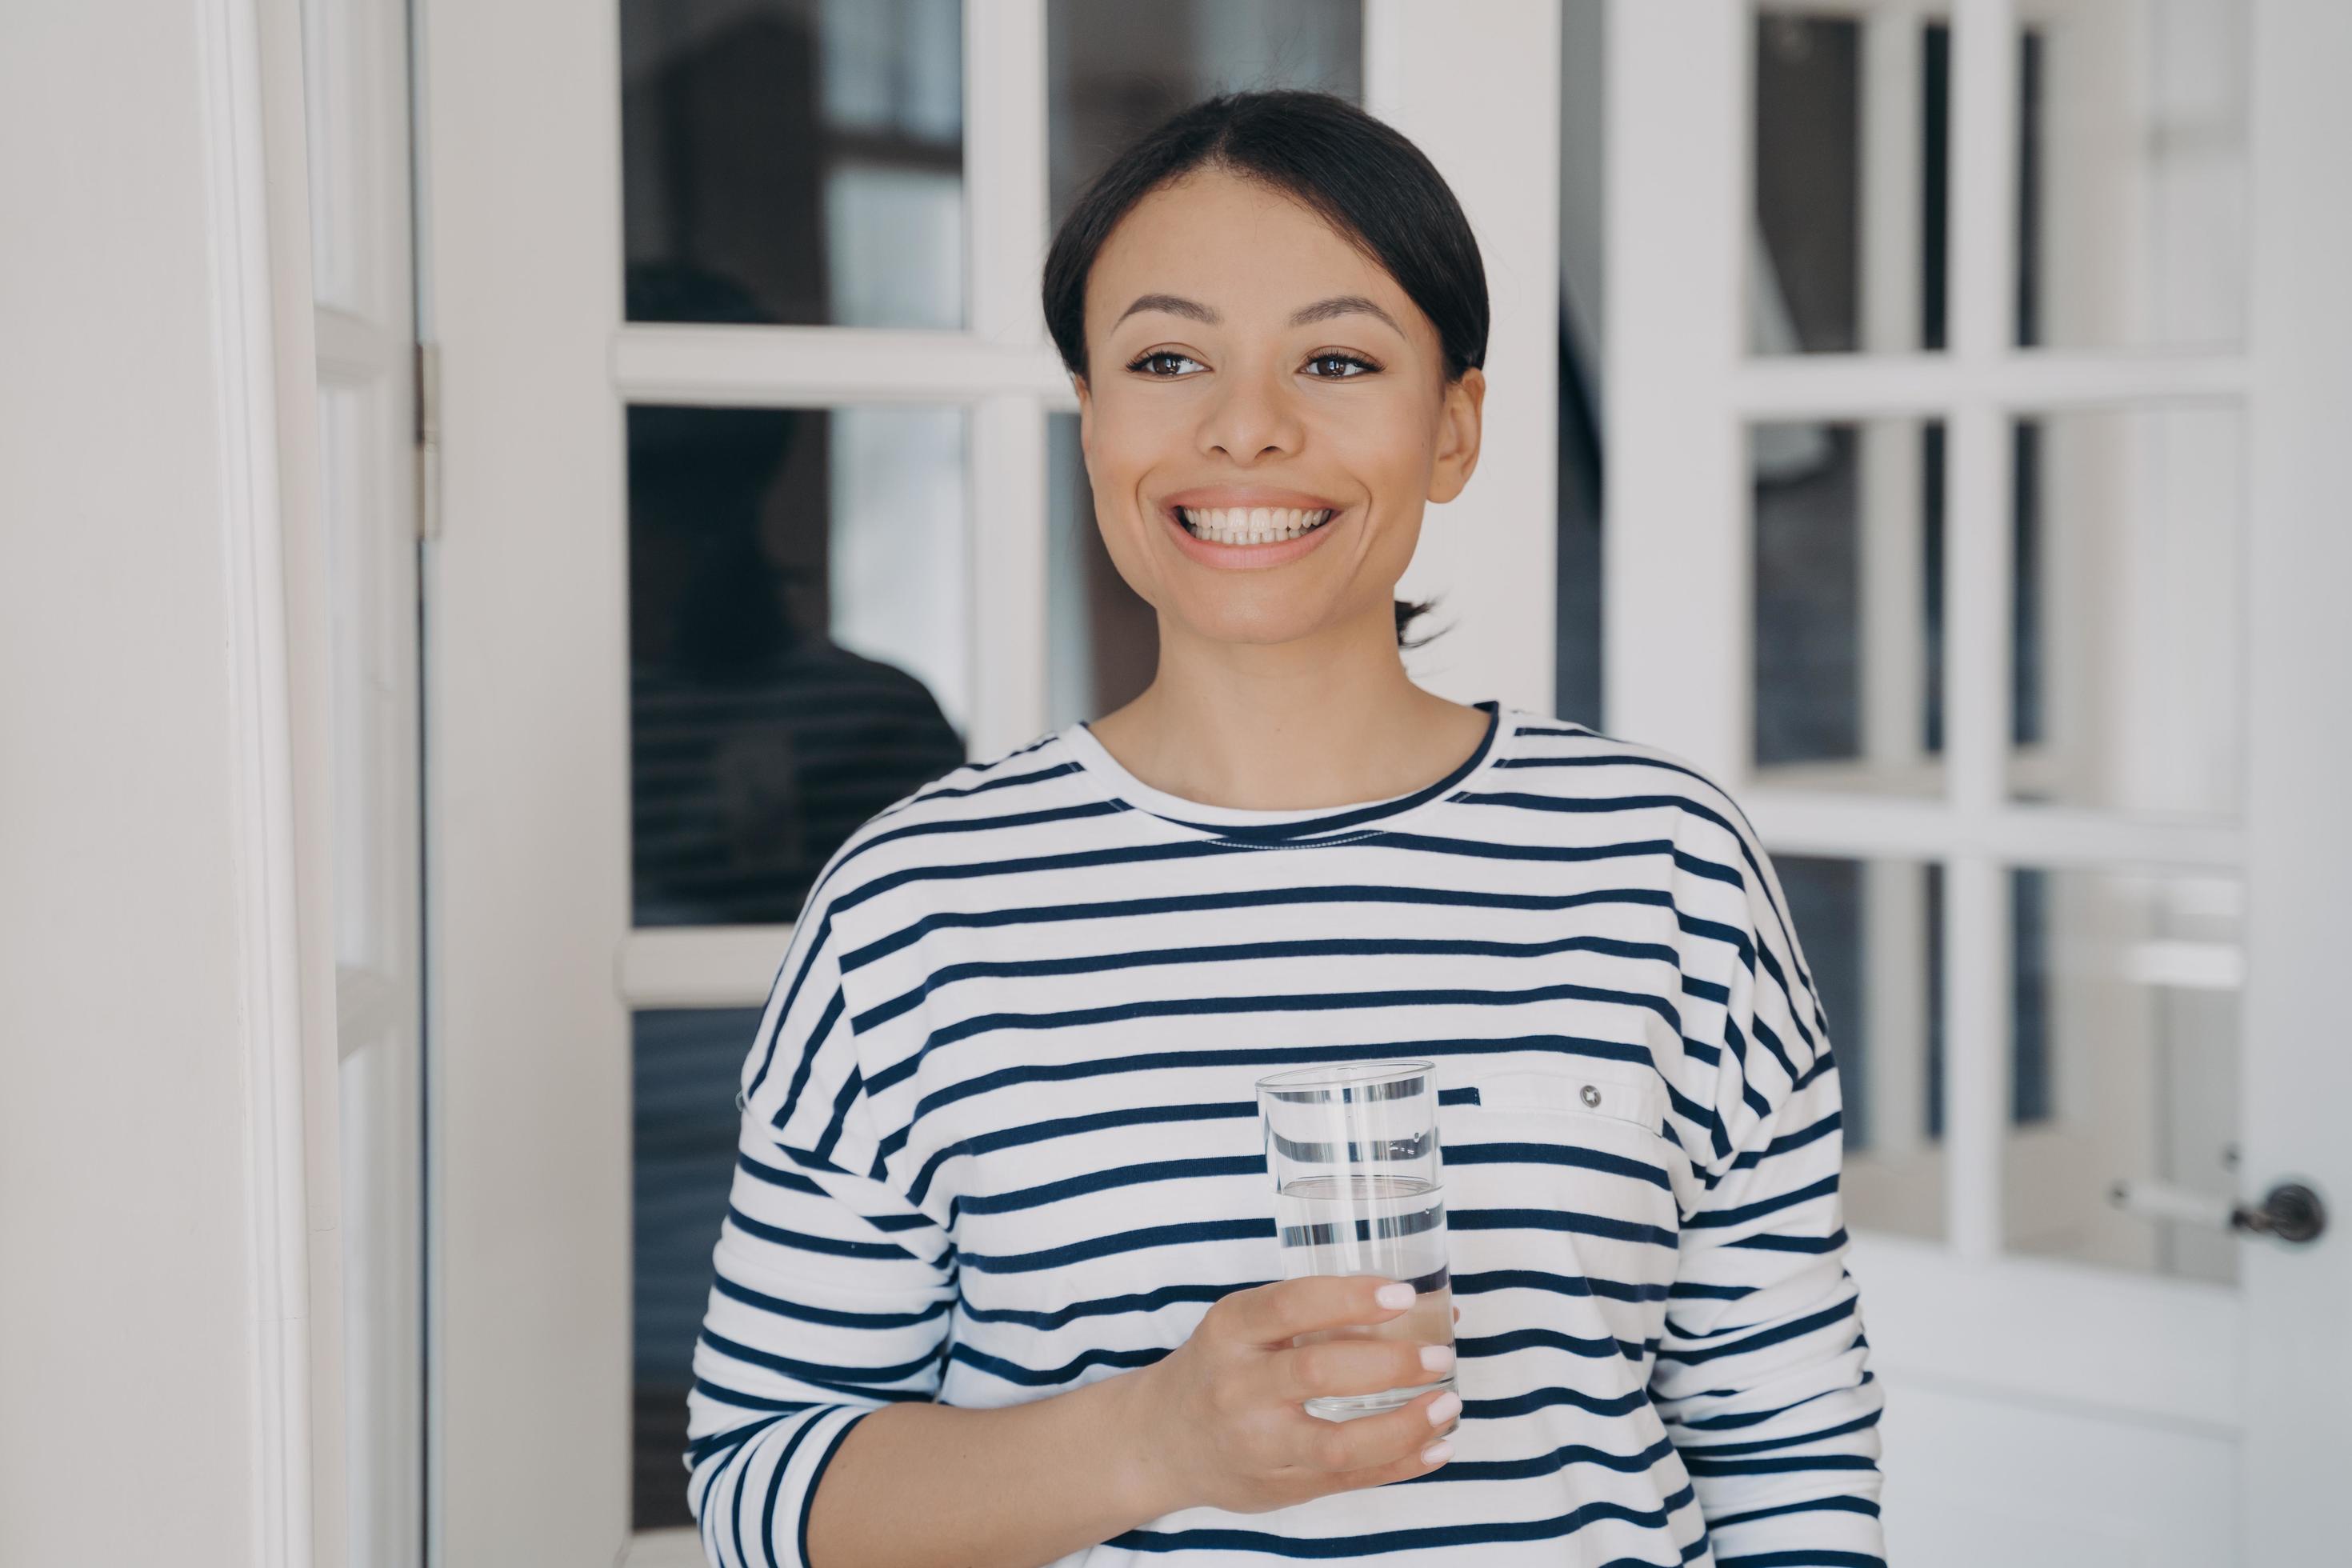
<point>1499,1153</point>
<point>852,1381</point>
<point>1344,893</point>
<point>830,1317</point>
<point>1556,1526</point>
<point>1065,1126</point>
<point>1302,947</point>
<point>1274,1002</point>
<point>1763,1337</point>
<point>833,1246</point>
<point>1558,1284</point>
<point>1825,1187</point>
<point>1183,1235</point>
<point>1107,1306</point>
<point>1270,1058</point>
<point>1841,1504</point>
<point>1766,1445</point>
<point>1561,1220</point>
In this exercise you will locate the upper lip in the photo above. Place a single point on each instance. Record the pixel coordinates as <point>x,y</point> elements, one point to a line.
<point>1211,497</point>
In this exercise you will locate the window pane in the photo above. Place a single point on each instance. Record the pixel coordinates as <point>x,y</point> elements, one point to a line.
<point>685,1066</point>
<point>807,152</point>
<point>797,642</point>
<point>1114,71</point>
<point>1850,193</point>
<point>1102,639</point>
<point>2128,618</point>
<point>1868,932</point>
<point>2127,987</point>
<point>2132,173</point>
<point>1847,629</point>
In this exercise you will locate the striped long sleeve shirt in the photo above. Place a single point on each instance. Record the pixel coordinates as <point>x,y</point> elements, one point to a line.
<point>1000,1140</point>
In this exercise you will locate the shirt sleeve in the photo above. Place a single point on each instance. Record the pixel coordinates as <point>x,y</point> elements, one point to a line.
<point>832,1289</point>
<point>1761,1375</point>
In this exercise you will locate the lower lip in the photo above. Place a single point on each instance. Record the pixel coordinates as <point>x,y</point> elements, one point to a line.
<point>1247,557</point>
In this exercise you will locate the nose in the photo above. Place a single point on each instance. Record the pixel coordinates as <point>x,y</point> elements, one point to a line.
<point>1252,414</point>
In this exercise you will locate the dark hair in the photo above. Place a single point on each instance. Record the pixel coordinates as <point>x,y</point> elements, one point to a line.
<point>1356,172</point>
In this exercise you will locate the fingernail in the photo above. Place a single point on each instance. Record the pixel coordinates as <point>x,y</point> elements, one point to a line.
<point>1437,1358</point>
<point>1443,1408</point>
<point>1437,1453</point>
<point>1399,1294</point>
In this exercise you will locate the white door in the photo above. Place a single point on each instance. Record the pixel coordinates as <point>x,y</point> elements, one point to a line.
<point>1973,385</point>
<point>355,57</point>
<point>760,504</point>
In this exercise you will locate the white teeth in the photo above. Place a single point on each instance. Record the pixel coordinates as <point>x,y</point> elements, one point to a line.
<point>1250,525</point>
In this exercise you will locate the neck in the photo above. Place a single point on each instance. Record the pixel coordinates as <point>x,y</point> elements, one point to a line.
<point>1323,721</point>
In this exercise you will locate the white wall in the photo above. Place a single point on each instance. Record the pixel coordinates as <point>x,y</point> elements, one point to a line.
<point>153,1365</point>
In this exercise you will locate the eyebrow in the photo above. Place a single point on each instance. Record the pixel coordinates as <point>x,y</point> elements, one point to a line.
<point>1321,310</point>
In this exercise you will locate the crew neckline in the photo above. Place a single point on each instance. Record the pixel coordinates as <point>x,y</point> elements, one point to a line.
<point>1285,824</point>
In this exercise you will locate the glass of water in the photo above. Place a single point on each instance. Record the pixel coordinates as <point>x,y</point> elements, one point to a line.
<point>1358,1189</point>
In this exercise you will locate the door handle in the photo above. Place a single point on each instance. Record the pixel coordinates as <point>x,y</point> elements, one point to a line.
<point>2289,1211</point>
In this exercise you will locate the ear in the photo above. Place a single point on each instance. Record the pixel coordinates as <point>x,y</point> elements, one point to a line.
<point>1460,422</point>
<point>1086,413</point>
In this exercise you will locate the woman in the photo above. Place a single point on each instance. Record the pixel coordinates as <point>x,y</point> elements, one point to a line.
<point>991,1288</point>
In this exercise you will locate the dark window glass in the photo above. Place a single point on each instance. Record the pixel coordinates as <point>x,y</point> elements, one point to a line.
<point>1851,196</point>
<point>1869,940</point>
<point>797,643</point>
<point>1848,613</point>
<point>1113,71</point>
<point>809,151</point>
<point>684,1067</point>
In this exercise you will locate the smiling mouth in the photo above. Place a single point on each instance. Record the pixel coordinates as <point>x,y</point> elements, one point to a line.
<point>1251,525</point>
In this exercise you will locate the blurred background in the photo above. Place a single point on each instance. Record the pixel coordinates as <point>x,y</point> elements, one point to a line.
<point>1917,412</point>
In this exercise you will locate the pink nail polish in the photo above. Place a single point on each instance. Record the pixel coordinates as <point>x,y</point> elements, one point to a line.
<point>1437,1453</point>
<point>1399,1294</point>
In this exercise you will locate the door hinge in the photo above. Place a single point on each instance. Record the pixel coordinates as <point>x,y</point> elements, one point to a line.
<point>428,440</point>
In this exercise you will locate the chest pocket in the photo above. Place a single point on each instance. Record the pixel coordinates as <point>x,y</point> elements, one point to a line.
<point>1586,1136</point>
<point>1613,1092</point>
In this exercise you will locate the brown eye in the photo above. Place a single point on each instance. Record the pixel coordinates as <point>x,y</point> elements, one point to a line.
<point>1156,355</point>
<point>1362,367</point>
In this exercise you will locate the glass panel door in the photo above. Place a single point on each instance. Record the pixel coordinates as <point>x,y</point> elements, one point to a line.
<point>1929,479</point>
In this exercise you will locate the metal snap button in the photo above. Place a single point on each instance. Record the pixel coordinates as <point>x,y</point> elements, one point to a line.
<point>741,1104</point>
<point>1592,1095</point>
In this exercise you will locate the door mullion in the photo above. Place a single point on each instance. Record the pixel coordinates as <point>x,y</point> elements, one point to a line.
<point>1676,574</point>
<point>1005,468</point>
<point>1977,614</point>
<point>1005,219</point>
<point>1004,167</point>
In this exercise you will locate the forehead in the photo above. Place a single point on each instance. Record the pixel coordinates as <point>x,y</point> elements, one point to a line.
<point>1237,245</point>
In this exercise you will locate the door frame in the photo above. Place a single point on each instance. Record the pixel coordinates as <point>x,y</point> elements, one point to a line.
<point>536,968</point>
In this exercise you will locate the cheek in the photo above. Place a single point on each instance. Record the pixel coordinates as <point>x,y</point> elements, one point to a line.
<point>1383,444</point>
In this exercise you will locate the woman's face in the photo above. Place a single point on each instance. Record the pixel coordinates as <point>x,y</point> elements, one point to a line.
<point>1205,388</point>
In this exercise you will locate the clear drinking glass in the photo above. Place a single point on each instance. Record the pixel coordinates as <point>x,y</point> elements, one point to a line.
<point>1358,1189</point>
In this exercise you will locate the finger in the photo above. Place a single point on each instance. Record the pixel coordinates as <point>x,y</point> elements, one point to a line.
<point>1372,1443</point>
<point>1457,1314</point>
<point>1274,1314</point>
<point>1404,1469</point>
<point>1330,1367</point>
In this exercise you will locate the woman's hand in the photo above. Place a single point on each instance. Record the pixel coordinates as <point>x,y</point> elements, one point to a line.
<point>1221,1415</point>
